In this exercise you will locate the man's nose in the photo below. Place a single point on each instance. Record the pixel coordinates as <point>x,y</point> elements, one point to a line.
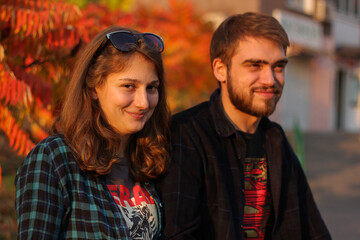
<point>268,76</point>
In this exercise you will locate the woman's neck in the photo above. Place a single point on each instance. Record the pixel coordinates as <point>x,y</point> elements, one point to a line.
<point>123,142</point>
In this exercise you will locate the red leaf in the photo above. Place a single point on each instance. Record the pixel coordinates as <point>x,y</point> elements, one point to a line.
<point>13,135</point>
<point>22,142</point>
<point>8,93</point>
<point>13,92</point>
<point>29,23</point>
<point>35,24</point>
<point>4,84</point>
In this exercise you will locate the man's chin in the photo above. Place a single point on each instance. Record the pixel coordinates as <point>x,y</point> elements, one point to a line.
<point>263,111</point>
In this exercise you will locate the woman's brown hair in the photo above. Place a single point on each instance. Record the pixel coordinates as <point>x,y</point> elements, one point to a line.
<point>85,127</point>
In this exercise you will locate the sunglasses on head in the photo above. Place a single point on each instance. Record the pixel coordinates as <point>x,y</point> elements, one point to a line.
<point>126,41</point>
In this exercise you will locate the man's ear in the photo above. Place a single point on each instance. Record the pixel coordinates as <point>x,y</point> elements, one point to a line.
<point>219,70</point>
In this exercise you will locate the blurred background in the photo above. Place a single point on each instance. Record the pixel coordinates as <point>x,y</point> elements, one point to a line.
<point>319,109</point>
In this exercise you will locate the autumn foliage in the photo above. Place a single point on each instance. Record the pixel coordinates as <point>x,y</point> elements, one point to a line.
<point>39,42</point>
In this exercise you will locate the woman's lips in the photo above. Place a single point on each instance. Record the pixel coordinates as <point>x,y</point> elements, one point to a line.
<point>137,115</point>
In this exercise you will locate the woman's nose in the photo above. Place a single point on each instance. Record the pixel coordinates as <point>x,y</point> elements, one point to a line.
<point>141,99</point>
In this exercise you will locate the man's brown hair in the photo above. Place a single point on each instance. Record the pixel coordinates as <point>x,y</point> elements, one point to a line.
<point>238,27</point>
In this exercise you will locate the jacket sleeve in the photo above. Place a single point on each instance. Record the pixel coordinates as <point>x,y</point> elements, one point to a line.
<point>181,188</point>
<point>38,197</point>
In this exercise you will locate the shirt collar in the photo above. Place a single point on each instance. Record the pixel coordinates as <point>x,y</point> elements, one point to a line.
<point>223,126</point>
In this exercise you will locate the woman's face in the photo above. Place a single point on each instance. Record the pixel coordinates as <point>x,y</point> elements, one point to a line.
<point>128,98</point>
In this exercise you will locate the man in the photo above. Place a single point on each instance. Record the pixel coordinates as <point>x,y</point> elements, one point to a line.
<point>233,173</point>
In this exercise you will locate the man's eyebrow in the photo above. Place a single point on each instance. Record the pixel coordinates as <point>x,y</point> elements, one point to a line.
<point>258,61</point>
<point>253,60</point>
<point>282,61</point>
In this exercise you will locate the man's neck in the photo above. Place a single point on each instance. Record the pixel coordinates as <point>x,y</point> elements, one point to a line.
<point>241,121</point>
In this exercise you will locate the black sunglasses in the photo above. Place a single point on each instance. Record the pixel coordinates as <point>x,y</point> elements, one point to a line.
<point>126,41</point>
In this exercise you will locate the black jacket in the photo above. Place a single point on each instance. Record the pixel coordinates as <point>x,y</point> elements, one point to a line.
<point>203,192</point>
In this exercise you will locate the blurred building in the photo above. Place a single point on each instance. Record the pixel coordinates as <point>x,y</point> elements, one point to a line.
<point>322,84</point>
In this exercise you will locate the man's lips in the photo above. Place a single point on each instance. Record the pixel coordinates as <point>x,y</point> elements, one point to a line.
<point>267,92</point>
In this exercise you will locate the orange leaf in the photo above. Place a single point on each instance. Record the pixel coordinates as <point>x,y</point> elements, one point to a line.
<point>9,124</point>
<point>4,85</point>
<point>28,146</point>
<point>14,133</point>
<point>19,21</point>
<point>8,93</point>
<point>35,24</point>
<point>29,24</point>
<point>13,92</point>
<point>22,142</point>
<point>3,12</point>
<point>19,91</point>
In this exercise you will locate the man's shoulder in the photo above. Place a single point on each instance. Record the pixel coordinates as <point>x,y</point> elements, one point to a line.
<point>195,113</point>
<point>267,124</point>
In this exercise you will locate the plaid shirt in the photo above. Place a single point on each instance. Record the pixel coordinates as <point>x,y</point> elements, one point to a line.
<point>56,200</point>
<point>203,191</point>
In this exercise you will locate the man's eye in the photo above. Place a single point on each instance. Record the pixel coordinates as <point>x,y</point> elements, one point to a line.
<point>254,66</point>
<point>279,68</point>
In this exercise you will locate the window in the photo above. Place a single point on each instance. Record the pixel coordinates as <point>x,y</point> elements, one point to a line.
<point>306,6</point>
<point>348,7</point>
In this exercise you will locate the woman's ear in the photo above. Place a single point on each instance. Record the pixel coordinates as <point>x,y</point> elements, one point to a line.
<point>219,70</point>
<point>93,93</point>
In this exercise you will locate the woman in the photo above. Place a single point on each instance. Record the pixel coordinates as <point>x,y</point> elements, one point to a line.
<point>92,178</point>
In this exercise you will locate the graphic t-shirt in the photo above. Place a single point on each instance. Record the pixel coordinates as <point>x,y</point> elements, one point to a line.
<point>135,203</point>
<point>257,195</point>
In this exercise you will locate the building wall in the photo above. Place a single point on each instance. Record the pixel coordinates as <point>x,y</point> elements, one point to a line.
<point>294,105</point>
<point>346,35</point>
<point>267,6</point>
<point>322,92</point>
<point>350,108</point>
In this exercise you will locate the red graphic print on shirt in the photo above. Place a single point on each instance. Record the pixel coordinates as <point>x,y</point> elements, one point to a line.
<point>138,209</point>
<point>257,198</point>
<point>121,195</point>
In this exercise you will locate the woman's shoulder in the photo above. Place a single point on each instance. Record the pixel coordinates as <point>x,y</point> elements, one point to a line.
<point>50,149</point>
<point>53,143</point>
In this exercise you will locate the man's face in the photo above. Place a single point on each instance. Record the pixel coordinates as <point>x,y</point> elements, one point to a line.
<point>255,78</point>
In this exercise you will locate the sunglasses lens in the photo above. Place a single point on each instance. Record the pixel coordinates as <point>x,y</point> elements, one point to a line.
<point>123,41</point>
<point>153,42</point>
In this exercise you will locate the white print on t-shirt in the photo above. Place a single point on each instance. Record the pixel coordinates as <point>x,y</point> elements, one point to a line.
<point>139,211</point>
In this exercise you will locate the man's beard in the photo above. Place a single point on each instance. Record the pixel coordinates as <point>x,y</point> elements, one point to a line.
<point>243,100</point>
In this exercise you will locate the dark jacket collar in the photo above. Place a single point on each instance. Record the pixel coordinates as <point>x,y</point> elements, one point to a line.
<point>223,126</point>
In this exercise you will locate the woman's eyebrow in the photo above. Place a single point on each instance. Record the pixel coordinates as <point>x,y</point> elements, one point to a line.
<point>134,80</point>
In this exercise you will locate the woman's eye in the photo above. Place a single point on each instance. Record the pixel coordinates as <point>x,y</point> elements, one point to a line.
<point>129,86</point>
<point>152,88</point>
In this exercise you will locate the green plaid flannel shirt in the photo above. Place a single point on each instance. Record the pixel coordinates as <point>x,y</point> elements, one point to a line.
<point>56,200</point>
